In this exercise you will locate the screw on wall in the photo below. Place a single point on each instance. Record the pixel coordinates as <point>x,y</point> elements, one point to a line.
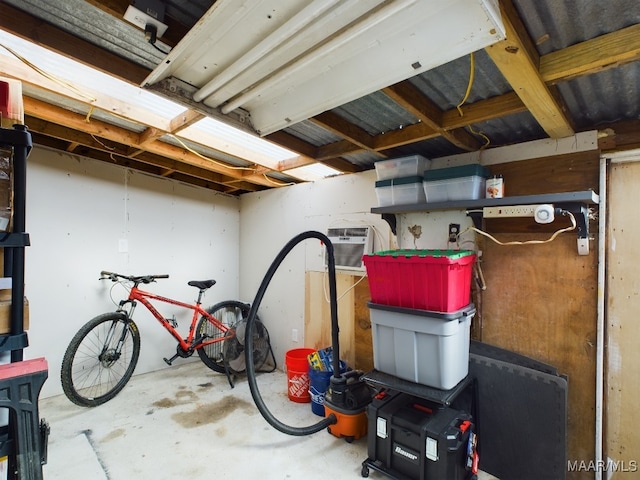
<point>454,230</point>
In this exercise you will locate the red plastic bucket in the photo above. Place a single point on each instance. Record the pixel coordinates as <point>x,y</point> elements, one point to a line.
<point>298,374</point>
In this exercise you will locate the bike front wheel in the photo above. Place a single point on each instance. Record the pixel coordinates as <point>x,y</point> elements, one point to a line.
<point>100,359</point>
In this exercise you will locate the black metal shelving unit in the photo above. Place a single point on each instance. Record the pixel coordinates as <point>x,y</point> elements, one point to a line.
<point>14,242</point>
<point>24,439</point>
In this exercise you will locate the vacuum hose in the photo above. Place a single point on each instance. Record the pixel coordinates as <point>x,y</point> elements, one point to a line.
<point>251,376</point>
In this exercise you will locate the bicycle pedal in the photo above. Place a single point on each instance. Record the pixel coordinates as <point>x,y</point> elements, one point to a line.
<point>169,361</point>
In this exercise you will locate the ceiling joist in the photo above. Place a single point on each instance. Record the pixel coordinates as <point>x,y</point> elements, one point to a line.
<point>518,61</point>
<point>412,100</point>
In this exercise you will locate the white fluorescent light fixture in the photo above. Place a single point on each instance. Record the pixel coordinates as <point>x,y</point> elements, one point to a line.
<point>226,138</point>
<point>284,62</point>
<point>313,172</point>
<point>93,87</point>
<point>89,85</point>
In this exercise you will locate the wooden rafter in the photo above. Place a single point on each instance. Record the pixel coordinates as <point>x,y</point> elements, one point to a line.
<point>89,145</point>
<point>122,136</point>
<point>600,53</point>
<point>518,61</point>
<point>347,130</point>
<point>412,100</point>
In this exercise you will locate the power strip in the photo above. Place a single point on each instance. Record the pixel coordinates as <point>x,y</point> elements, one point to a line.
<point>512,211</point>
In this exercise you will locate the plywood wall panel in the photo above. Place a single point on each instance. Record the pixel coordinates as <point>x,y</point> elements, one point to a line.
<point>561,173</point>
<point>317,319</point>
<point>362,327</point>
<point>622,388</point>
<point>540,301</point>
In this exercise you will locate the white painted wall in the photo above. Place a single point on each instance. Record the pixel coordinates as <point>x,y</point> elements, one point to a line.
<point>80,212</point>
<point>268,220</point>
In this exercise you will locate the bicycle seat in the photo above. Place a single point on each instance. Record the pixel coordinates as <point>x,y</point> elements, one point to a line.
<point>202,284</point>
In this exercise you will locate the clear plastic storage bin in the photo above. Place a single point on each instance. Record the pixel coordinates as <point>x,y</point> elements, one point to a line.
<point>466,182</point>
<point>414,165</point>
<point>400,191</point>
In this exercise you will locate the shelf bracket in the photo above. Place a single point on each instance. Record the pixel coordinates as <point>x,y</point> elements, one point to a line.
<point>581,214</point>
<point>476,218</point>
<point>390,218</point>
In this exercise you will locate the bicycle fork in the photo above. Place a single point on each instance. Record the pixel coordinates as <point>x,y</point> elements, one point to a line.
<point>108,356</point>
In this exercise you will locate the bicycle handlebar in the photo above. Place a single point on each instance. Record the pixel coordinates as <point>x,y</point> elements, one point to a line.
<point>104,275</point>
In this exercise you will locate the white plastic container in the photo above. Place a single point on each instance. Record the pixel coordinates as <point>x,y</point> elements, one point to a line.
<point>464,188</point>
<point>465,182</point>
<point>429,348</point>
<point>413,165</point>
<point>400,191</point>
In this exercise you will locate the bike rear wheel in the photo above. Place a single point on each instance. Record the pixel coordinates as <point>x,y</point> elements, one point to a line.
<point>232,314</point>
<point>100,359</point>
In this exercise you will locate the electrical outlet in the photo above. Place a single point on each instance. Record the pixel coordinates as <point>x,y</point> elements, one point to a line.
<point>454,230</point>
<point>294,335</point>
<point>514,211</point>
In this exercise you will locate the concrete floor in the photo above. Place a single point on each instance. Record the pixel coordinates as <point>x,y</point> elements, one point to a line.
<point>186,422</point>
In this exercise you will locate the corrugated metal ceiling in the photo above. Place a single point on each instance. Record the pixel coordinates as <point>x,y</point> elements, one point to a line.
<point>592,100</point>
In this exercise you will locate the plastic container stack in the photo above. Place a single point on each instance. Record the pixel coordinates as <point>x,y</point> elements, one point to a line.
<point>400,180</point>
<point>421,314</point>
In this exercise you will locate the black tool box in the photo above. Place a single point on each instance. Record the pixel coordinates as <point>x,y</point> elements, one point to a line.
<point>412,438</point>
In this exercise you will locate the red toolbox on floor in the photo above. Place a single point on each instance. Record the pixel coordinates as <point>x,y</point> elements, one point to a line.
<point>436,280</point>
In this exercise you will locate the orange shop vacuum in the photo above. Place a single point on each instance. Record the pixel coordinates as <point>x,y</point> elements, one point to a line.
<point>348,395</point>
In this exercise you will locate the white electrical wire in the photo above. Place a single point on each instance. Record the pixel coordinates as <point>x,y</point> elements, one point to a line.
<point>528,242</point>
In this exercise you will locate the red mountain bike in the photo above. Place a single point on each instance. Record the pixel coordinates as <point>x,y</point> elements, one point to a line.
<point>103,354</point>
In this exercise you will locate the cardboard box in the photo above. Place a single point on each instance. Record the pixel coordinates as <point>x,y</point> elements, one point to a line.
<point>5,312</point>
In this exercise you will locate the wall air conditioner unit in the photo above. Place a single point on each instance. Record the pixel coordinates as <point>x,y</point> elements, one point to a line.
<point>349,245</point>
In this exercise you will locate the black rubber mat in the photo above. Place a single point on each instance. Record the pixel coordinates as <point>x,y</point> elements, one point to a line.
<point>497,353</point>
<point>522,418</point>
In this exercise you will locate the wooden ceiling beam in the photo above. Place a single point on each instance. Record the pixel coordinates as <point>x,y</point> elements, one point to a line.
<point>619,136</point>
<point>483,110</point>
<point>293,143</point>
<point>337,149</point>
<point>411,99</point>
<point>340,126</point>
<point>592,56</point>
<point>518,61</point>
<point>88,145</point>
<point>404,136</point>
<point>61,116</point>
<point>309,153</point>
<point>184,120</point>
